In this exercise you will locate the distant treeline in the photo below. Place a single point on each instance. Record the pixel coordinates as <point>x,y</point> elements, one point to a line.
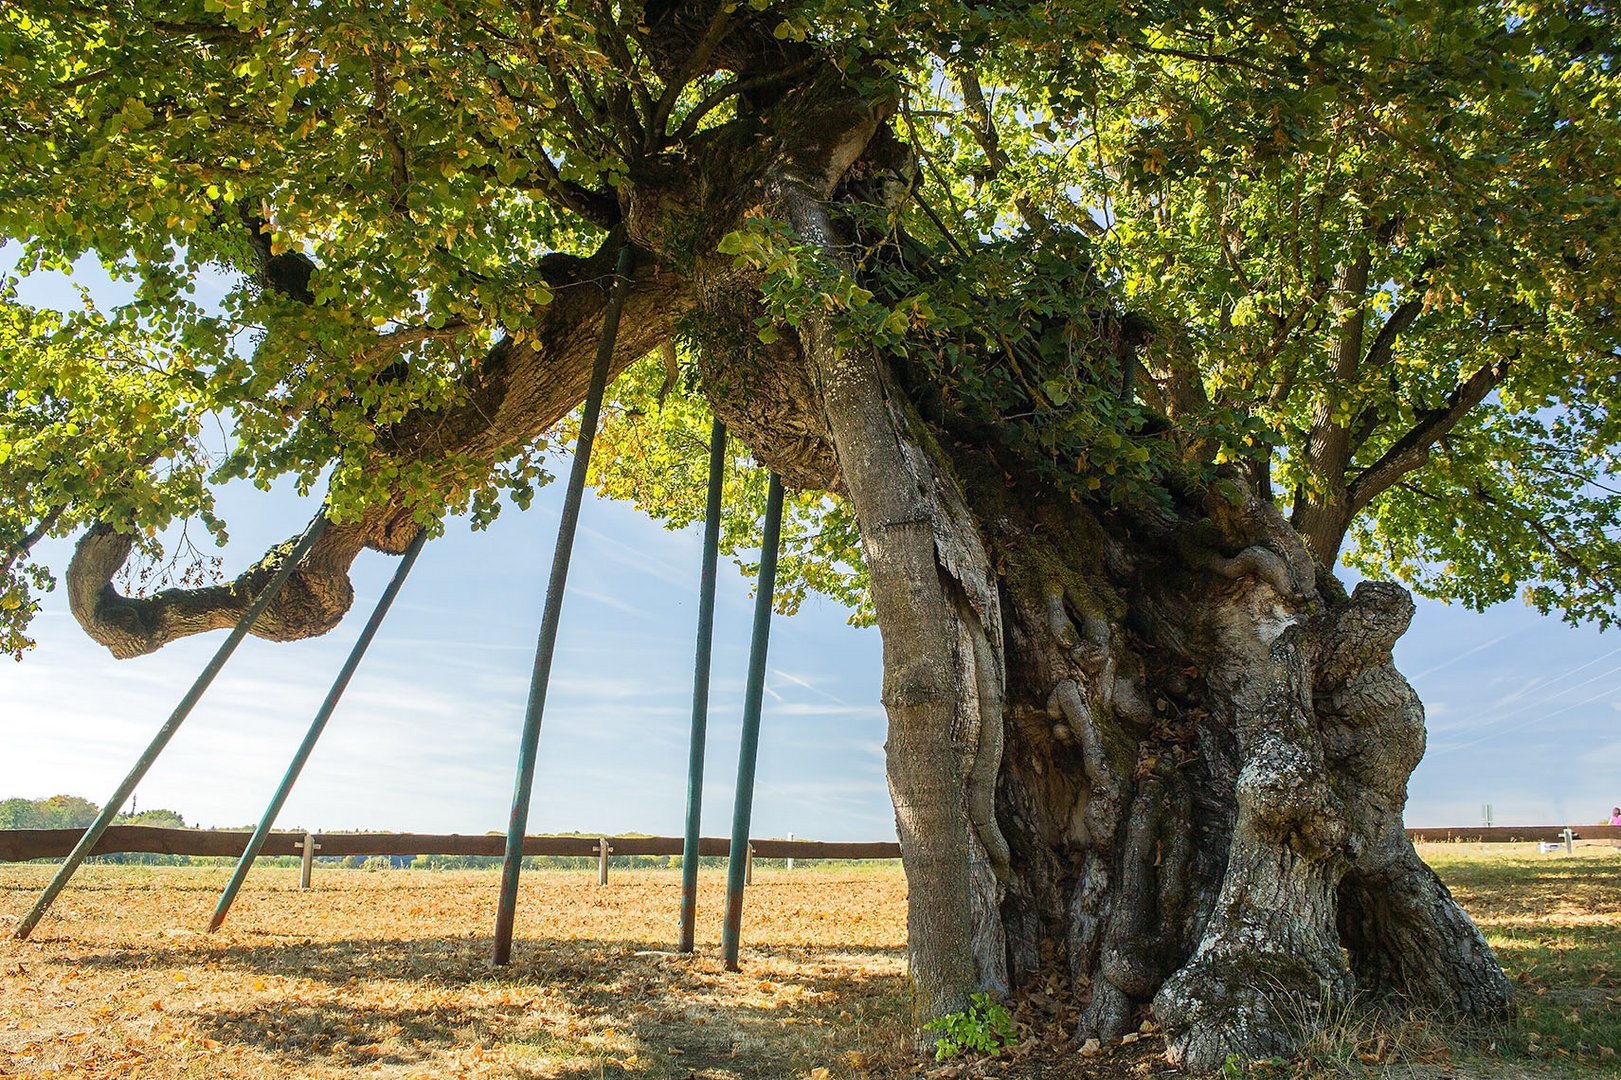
<point>72,812</point>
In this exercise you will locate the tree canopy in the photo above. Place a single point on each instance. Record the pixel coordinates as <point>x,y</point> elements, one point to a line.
<point>1365,252</point>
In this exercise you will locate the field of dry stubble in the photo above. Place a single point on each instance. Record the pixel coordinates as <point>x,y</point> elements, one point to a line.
<point>386,973</point>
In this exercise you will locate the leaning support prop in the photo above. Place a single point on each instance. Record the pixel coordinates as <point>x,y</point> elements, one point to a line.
<point>700,684</point>
<point>552,612</point>
<point>115,802</point>
<point>317,726</point>
<point>749,751</point>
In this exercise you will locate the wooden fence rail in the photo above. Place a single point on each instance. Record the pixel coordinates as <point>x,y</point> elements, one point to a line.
<point>1515,834</point>
<point>17,845</point>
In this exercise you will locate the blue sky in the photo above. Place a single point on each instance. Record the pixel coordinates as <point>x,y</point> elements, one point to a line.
<point>1524,713</point>
<point>425,738</point>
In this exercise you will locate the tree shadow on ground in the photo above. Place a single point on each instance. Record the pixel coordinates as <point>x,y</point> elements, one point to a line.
<point>567,1007</point>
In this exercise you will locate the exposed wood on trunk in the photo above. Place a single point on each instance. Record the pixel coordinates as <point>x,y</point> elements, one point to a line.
<point>1204,785</point>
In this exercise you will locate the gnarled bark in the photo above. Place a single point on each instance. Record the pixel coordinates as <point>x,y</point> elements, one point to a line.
<point>1205,785</point>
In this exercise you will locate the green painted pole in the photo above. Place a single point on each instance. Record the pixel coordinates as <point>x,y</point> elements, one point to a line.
<point>700,685</point>
<point>511,864</point>
<point>116,801</point>
<point>317,726</point>
<point>749,751</point>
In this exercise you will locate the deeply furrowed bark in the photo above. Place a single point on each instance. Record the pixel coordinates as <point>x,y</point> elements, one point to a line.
<point>1204,783</point>
<point>1199,757</point>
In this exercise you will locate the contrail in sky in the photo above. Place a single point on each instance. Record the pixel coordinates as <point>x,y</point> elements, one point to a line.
<point>1464,655</point>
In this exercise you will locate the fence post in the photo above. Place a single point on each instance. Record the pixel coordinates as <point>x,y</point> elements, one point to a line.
<point>604,849</point>
<point>307,865</point>
<point>1570,841</point>
<point>748,867</point>
<point>790,858</point>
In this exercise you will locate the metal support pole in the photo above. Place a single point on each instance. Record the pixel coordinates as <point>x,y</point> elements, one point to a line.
<point>700,685</point>
<point>116,801</point>
<point>512,864</point>
<point>317,726</point>
<point>754,692</point>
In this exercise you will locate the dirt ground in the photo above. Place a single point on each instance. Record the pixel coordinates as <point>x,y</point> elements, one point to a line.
<point>386,974</point>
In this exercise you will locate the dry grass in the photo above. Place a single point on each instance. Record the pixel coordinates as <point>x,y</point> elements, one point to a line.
<point>387,974</point>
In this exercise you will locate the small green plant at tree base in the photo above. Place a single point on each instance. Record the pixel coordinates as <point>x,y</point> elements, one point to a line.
<point>1236,1068</point>
<point>985,1027</point>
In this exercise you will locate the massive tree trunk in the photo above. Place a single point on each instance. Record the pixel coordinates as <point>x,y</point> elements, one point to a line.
<point>1150,751</point>
<point>1203,780</point>
<point>1159,752</point>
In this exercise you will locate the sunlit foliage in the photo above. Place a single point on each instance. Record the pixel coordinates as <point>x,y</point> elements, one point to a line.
<point>1364,252</point>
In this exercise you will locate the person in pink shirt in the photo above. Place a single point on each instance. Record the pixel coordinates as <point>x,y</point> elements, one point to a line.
<point>1615,816</point>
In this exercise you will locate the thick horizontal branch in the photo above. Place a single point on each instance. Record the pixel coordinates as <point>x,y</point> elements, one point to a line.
<point>517,392</point>
<point>312,602</point>
<point>526,382</point>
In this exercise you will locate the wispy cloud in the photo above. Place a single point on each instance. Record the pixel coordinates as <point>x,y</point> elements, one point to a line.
<point>806,683</point>
<point>1460,657</point>
<point>642,559</point>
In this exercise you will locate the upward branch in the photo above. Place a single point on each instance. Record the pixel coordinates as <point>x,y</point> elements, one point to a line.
<point>1412,450</point>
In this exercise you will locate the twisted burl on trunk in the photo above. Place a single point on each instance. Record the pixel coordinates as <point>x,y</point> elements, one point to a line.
<point>1203,784</point>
